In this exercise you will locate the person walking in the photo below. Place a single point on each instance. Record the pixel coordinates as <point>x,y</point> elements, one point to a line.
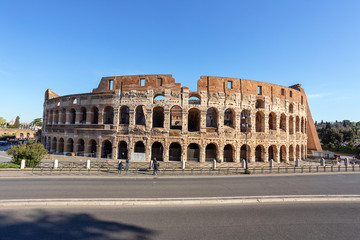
<point>156,166</point>
<point>120,166</point>
<point>127,164</point>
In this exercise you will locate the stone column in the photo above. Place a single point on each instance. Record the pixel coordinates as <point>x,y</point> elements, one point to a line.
<point>116,116</point>
<point>149,115</point>
<point>114,152</point>
<point>185,123</point>
<point>167,120</point>
<point>166,152</point>
<point>220,153</point>
<point>87,149</point>
<point>67,121</point>
<point>266,154</point>
<point>148,150</point>
<point>252,154</point>
<point>98,148</point>
<point>202,152</point>
<point>203,121</point>
<point>183,152</point>
<point>101,117</point>
<point>89,117</point>
<point>78,116</point>
<point>131,119</point>
<point>130,148</point>
<point>220,123</point>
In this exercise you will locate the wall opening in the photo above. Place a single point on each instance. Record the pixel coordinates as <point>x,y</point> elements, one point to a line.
<point>140,115</point>
<point>142,82</point>
<point>193,152</point>
<point>106,149</point>
<point>194,100</point>
<point>111,84</point>
<point>283,154</point>
<point>228,153</point>
<point>259,154</point>
<point>176,117</point>
<point>158,117</point>
<point>229,118</point>
<point>245,121</point>
<point>95,115</point>
<point>210,152</point>
<point>157,151</point>
<point>243,152</point>
<point>211,118</point>
<point>259,90</point>
<point>175,152</point>
<point>72,116</point>
<point>194,120</point>
<point>124,115</point>
<point>83,115</point>
<point>109,115</point>
<point>122,152</point>
<point>283,122</point>
<point>260,122</point>
<point>139,147</point>
<point>291,125</point>
<point>272,121</point>
<point>229,85</point>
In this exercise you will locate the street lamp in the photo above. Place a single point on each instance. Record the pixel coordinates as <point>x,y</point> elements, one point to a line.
<point>245,115</point>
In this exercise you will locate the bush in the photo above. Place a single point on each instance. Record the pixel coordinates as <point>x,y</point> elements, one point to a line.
<point>9,165</point>
<point>32,152</point>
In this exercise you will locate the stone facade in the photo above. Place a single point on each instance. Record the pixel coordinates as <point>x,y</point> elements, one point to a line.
<point>18,133</point>
<point>146,116</point>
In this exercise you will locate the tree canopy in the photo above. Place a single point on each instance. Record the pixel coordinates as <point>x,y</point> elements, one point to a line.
<point>32,152</point>
<point>2,120</point>
<point>17,122</point>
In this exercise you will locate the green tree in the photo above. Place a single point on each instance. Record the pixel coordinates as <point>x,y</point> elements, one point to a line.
<point>2,120</point>
<point>32,152</point>
<point>38,122</point>
<point>17,122</point>
<point>332,136</point>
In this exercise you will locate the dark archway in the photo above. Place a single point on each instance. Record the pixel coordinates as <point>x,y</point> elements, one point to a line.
<point>122,150</point>
<point>80,147</point>
<point>228,153</point>
<point>229,118</point>
<point>72,116</point>
<point>106,149</point>
<point>158,117</point>
<point>176,117</point>
<point>291,125</point>
<point>245,119</point>
<point>260,103</point>
<point>260,122</point>
<point>139,147</point>
<point>140,115</point>
<point>109,115</point>
<point>124,115</point>
<point>175,152</point>
<point>193,152</point>
<point>243,152</point>
<point>210,152</point>
<point>95,115</point>
<point>259,154</point>
<point>93,148</point>
<point>70,145</point>
<point>283,122</point>
<point>83,115</point>
<point>272,121</point>
<point>283,154</point>
<point>291,153</point>
<point>272,153</point>
<point>211,118</point>
<point>61,145</point>
<point>157,151</point>
<point>194,120</point>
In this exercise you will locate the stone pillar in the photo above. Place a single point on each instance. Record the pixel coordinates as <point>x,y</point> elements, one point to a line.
<point>220,153</point>
<point>166,152</point>
<point>78,116</point>
<point>148,117</point>
<point>185,123</point>
<point>67,121</point>
<point>148,150</point>
<point>89,117</point>
<point>101,117</point>
<point>202,153</point>
<point>276,154</point>
<point>183,153</point>
<point>266,155</point>
<point>252,154</point>
<point>220,123</point>
<point>203,121</point>
<point>130,148</point>
<point>236,153</point>
<point>87,149</point>
<point>167,120</point>
<point>116,116</point>
<point>114,152</point>
<point>266,119</point>
<point>98,148</point>
<point>131,119</point>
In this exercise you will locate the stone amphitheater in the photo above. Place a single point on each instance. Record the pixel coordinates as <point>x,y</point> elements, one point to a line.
<point>142,117</point>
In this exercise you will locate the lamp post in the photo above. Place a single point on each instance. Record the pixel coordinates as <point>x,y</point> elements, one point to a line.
<point>245,115</point>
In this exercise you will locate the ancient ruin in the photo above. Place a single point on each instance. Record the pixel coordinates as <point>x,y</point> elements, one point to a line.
<point>146,116</point>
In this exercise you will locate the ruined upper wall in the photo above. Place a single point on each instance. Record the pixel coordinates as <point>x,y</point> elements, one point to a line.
<point>49,94</point>
<point>138,82</point>
<point>250,87</point>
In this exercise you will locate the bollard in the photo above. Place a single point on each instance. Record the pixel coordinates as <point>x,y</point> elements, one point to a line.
<point>346,161</point>
<point>243,163</point>
<point>214,164</point>
<point>297,163</point>
<point>22,164</point>
<point>88,164</point>
<point>271,163</point>
<point>151,164</point>
<point>183,164</point>
<point>56,164</point>
<point>322,162</point>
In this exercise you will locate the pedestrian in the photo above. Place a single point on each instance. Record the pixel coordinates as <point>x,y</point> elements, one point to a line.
<point>127,164</point>
<point>156,166</point>
<point>120,166</point>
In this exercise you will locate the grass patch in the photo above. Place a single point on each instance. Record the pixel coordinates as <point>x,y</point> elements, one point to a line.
<point>9,165</point>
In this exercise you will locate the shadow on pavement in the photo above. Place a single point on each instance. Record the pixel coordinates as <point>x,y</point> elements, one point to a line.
<point>41,224</point>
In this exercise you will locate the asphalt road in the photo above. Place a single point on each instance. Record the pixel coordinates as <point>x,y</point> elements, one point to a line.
<point>252,221</point>
<point>171,187</point>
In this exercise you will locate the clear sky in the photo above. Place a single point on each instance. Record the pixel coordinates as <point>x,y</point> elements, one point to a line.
<point>69,45</point>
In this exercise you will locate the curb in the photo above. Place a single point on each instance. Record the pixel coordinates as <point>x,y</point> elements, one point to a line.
<point>177,201</point>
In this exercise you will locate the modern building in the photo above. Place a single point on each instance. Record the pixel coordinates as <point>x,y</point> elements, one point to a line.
<point>145,116</point>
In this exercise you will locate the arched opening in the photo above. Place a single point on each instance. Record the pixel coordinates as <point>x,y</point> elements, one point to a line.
<point>61,145</point>
<point>54,144</point>
<point>211,118</point>
<point>158,117</point>
<point>228,153</point>
<point>297,152</point>
<point>139,147</point>
<point>83,115</point>
<point>93,148</point>
<point>175,152</point>
<point>194,120</point>
<point>193,99</point>
<point>106,149</point>
<point>157,151</point>
<point>56,120</point>
<point>51,117</point>
<point>124,115</point>
<point>176,117</point>
<point>63,116</point>
<point>80,147</point>
<point>69,145</point>
<point>72,116</point>
<point>302,125</point>
<point>297,124</point>
<point>193,152</point>
<point>260,103</point>
<point>95,115</point>
<point>122,150</point>
<point>272,121</point>
<point>158,98</point>
<point>283,154</point>
<point>245,148</point>
<point>259,154</point>
<point>245,121</point>
<point>291,125</point>
<point>291,108</point>
<point>291,153</point>
<point>260,122</point>
<point>229,118</point>
<point>140,115</point>
<point>48,145</point>
<point>272,153</point>
<point>283,122</point>
<point>109,115</point>
<point>210,152</point>
<point>21,135</point>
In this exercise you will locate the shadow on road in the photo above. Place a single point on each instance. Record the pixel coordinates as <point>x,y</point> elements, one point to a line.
<point>41,224</point>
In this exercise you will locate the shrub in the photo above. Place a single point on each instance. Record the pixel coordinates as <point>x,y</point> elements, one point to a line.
<point>9,165</point>
<point>32,152</point>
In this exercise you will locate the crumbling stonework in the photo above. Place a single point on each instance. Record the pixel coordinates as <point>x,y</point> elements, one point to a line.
<point>146,116</point>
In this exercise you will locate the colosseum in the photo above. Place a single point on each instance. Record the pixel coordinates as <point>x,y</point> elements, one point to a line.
<point>146,116</point>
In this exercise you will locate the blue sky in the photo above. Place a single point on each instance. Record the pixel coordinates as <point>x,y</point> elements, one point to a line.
<point>69,45</point>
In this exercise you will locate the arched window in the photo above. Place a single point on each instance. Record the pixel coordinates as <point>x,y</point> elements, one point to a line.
<point>175,152</point>
<point>260,122</point>
<point>283,122</point>
<point>157,151</point>
<point>229,117</point>
<point>158,98</point>
<point>272,121</point>
<point>228,153</point>
<point>93,148</point>
<point>124,115</point>
<point>122,150</point>
<point>302,125</point>
<point>291,125</point>
<point>260,103</point>
<point>194,120</point>
<point>283,154</point>
<point>95,115</point>
<point>259,153</point>
<point>210,152</point>
<point>140,115</point>
<point>245,121</point>
<point>194,99</point>
<point>61,145</point>
<point>211,118</point>
<point>193,152</point>
<point>83,115</point>
<point>158,117</point>
<point>272,153</point>
<point>297,124</point>
<point>108,115</point>
<point>106,149</point>
<point>72,116</point>
<point>63,116</point>
<point>139,147</point>
<point>176,117</point>
<point>70,145</point>
<point>80,147</point>
<point>56,120</point>
<point>291,108</point>
<point>245,148</point>
<point>291,153</point>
